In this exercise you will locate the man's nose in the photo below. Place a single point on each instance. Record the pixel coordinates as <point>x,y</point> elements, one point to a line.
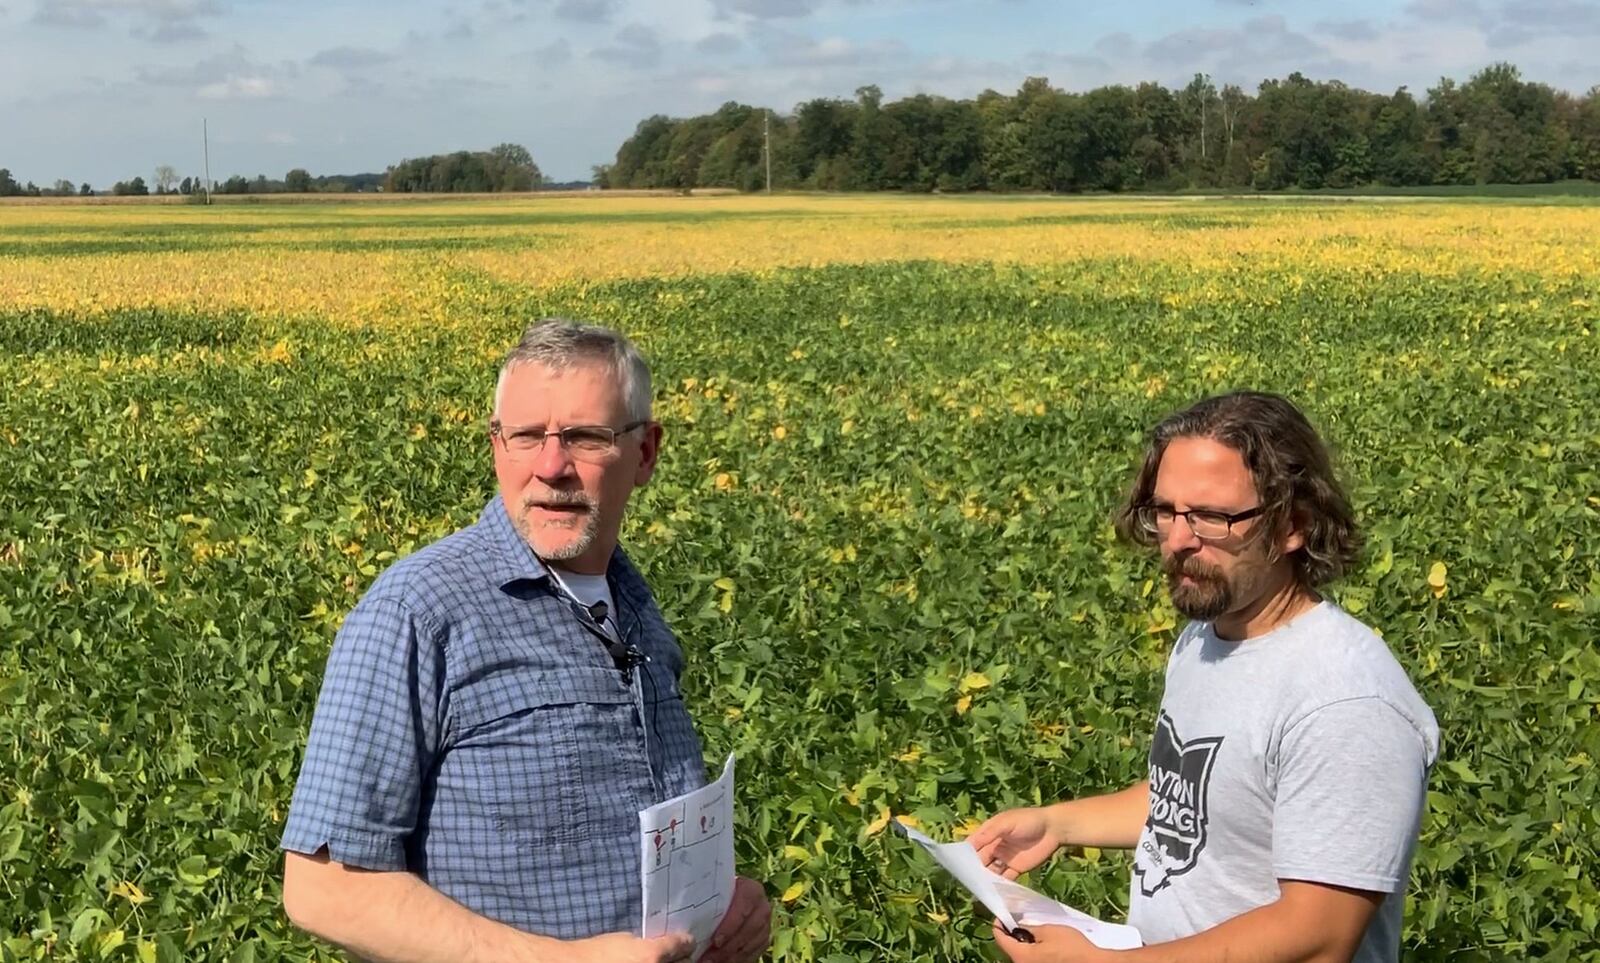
<point>1180,536</point>
<point>552,460</point>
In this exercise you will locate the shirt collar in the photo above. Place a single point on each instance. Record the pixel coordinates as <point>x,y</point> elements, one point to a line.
<point>514,561</point>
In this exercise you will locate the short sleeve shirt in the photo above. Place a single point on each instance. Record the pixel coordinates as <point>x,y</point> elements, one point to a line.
<point>1301,755</point>
<point>472,730</point>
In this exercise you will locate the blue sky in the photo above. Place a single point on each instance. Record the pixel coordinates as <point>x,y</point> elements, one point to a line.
<point>101,90</point>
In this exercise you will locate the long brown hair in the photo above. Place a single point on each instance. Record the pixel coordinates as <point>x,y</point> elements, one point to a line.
<point>1291,468</point>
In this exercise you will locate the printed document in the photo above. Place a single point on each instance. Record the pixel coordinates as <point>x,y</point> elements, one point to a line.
<point>686,861</point>
<point>1014,904</point>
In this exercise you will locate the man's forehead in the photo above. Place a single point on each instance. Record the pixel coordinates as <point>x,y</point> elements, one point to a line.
<point>1203,471</point>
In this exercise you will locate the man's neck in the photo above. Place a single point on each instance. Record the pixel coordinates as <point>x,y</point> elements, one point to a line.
<point>1274,608</point>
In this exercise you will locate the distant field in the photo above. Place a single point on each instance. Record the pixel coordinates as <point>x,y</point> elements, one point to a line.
<point>1556,191</point>
<point>895,427</point>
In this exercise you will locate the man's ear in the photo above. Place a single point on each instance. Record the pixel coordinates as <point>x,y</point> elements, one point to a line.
<point>1295,538</point>
<point>649,451</point>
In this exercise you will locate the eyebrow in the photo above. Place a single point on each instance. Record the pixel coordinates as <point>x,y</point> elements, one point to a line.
<point>1167,503</point>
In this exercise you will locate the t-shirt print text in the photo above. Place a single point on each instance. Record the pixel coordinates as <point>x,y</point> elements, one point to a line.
<point>1175,832</point>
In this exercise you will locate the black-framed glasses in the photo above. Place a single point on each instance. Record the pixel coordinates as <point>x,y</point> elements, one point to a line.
<point>591,443</point>
<point>1205,524</point>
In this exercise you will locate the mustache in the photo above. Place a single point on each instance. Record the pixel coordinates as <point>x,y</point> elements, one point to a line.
<point>578,498</point>
<point>1190,566</point>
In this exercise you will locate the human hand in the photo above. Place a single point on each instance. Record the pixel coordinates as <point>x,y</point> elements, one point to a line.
<point>746,929</point>
<point>626,948</point>
<point>1051,944</point>
<point>1012,842</point>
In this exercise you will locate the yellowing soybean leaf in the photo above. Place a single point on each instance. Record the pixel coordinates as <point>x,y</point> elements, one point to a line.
<point>1436,575</point>
<point>130,892</point>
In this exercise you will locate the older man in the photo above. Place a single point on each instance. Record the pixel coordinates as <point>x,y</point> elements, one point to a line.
<point>1290,763</point>
<point>501,704</point>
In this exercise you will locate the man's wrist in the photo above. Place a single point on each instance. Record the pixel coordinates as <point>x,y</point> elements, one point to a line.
<point>532,948</point>
<point>1060,824</point>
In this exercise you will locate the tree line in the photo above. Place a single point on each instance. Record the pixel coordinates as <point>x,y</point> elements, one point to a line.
<point>1496,128</point>
<point>166,181</point>
<point>508,167</point>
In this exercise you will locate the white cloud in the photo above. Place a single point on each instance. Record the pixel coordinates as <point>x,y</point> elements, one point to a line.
<point>586,11</point>
<point>162,21</point>
<point>238,88</point>
<point>637,45</point>
<point>553,54</point>
<point>350,58</point>
<point>768,9</point>
<point>718,43</point>
<point>174,31</point>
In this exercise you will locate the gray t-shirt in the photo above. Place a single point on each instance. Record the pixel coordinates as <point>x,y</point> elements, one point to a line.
<point>1302,754</point>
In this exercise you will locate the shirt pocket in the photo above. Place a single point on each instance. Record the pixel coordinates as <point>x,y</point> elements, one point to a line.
<point>553,755</point>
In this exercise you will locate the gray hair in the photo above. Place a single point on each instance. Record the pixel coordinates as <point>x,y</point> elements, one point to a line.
<point>560,343</point>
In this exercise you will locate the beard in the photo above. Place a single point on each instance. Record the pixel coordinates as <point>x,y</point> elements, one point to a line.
<point>561,539</point>
<point>1207,594</point>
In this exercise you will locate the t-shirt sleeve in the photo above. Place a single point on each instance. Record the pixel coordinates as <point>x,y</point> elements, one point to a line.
<point>1352,783</point>
<point>373,738</point>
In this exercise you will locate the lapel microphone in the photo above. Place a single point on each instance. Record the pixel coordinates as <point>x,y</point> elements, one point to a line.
<point>624,656</point>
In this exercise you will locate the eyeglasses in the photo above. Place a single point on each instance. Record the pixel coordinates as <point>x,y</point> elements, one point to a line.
<point>1209,525</point>
<point>590,443</point>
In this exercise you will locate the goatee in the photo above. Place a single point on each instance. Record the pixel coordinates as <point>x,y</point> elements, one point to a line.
<point>1204,596</point>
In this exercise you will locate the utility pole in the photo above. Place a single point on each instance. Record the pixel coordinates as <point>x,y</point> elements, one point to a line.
<point>205,140</point>
<point>766,144</point>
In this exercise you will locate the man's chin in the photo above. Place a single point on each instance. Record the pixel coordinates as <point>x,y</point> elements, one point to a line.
<point>559,549</point>
<point>557,540</point>
<point>1201,606</point>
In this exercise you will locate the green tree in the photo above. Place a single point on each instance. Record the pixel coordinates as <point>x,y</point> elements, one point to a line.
<point>641,160</point>
<point>511,168</point>
<point>1586,135</point>
<point>824,132</point>
<point>1005,158</point>
<point>1399,142</point>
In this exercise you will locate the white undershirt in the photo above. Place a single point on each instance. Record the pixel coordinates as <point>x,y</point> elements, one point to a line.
<point>587,590</point>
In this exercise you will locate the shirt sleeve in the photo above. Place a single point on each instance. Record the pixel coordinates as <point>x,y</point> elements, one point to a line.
<point>374,736</point>
<point>1352,784</point>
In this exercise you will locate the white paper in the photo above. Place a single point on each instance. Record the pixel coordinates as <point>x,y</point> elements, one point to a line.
<point>1014,904</point>
<point>686,861</point>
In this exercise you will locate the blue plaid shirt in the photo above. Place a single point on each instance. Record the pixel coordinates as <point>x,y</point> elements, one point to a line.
<point>472,731</point>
